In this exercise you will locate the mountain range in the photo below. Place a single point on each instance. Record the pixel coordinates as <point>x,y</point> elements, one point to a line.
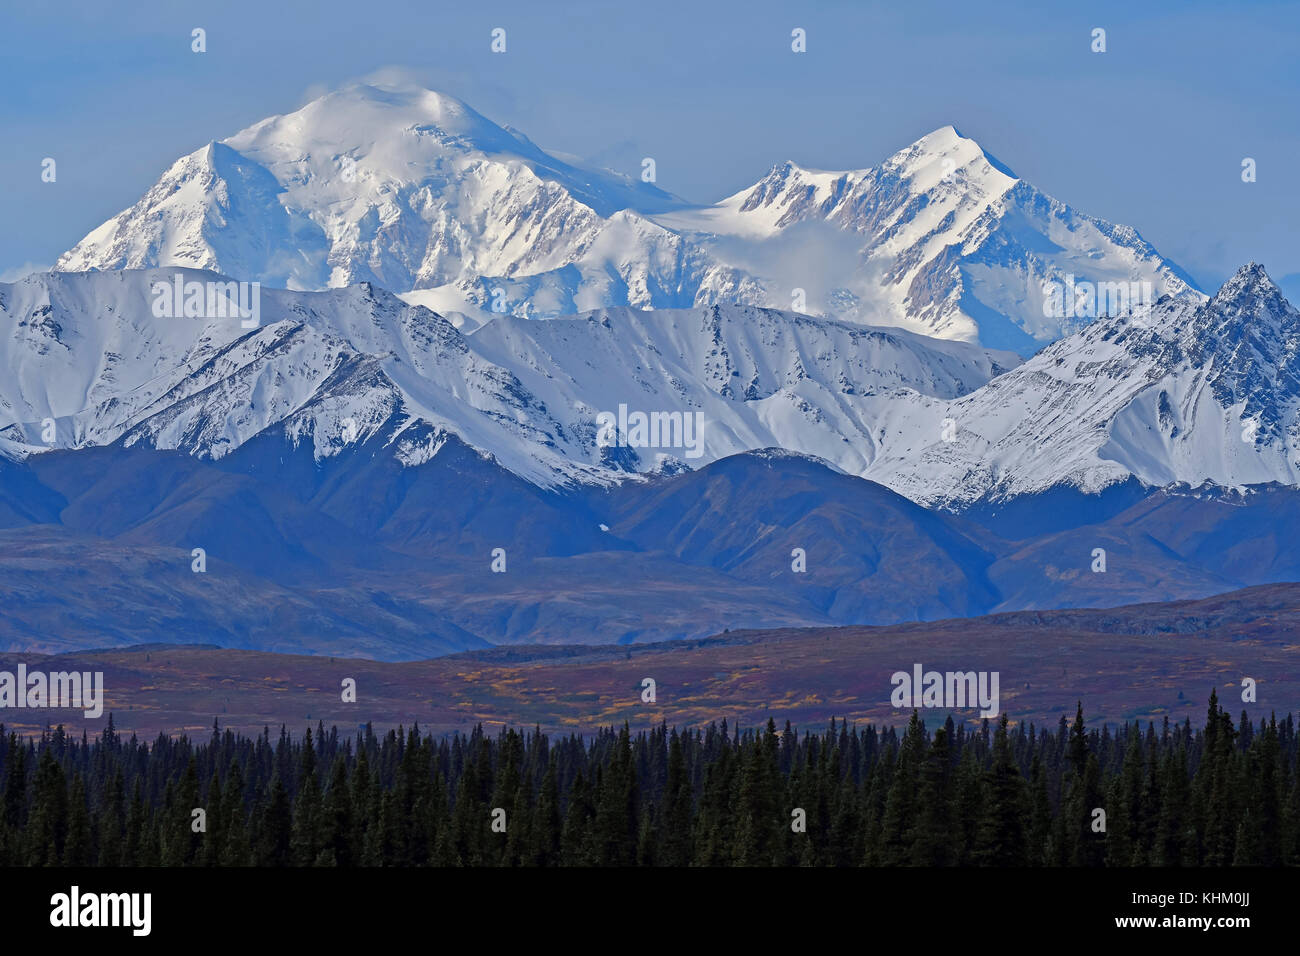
<point>495,397</point>
<point>1193,391</point>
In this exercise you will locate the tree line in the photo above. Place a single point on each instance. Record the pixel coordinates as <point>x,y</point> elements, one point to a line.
<point>992,795</point>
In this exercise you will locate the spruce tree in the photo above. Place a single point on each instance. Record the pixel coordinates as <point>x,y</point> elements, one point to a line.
<point>307,837</point>
<point>933,845</point>
<point>77,851</point>
<point>676,850</point>
<point>234,826</point>
<point>544,833</point>
<point>337,825</point>
<point>1001,838</point>
<point>275,829</point>
<point>899,823</point>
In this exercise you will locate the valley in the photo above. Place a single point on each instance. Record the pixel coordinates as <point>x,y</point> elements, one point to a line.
<point>1144,662</point>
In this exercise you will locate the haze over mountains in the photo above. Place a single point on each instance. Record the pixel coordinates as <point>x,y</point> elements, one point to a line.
<point>932,443</point>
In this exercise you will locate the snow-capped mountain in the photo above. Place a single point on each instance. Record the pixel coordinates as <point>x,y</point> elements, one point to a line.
<point>343,367</point>
<point>941,238</point>
<point>1189,392</point>
<point>411,190</point>
<point>416,192</point>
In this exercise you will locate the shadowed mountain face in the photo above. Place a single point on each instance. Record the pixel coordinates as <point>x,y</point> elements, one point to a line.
<point>359,556</point>
<point>869,552</point>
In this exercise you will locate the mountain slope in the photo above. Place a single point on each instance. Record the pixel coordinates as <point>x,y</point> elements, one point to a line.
<point>862,545</point>
<point>407,558</point>
<point>336,370</point>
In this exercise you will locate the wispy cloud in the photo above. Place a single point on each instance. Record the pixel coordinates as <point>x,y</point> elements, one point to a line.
<point>18,272</point>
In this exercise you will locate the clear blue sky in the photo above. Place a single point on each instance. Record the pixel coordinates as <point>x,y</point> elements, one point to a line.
<point>1151,133</point>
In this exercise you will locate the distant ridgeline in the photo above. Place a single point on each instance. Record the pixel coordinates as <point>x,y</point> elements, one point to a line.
<point>1159,796</point>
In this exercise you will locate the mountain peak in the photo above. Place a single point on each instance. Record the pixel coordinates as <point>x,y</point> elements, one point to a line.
<point>949,143</point>
<point>1252,272</point>
<point>942,138</point>
<point>1249,284</point>
<point>388,123</point>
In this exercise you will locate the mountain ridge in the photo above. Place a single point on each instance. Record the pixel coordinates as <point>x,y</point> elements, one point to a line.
<point>1183,392</point>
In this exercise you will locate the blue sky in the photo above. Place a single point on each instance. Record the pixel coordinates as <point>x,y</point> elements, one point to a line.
<point>1151,133</point>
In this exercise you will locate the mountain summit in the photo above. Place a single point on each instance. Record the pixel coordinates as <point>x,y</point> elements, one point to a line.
<point>940,238</point>
<point>403,187</point>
